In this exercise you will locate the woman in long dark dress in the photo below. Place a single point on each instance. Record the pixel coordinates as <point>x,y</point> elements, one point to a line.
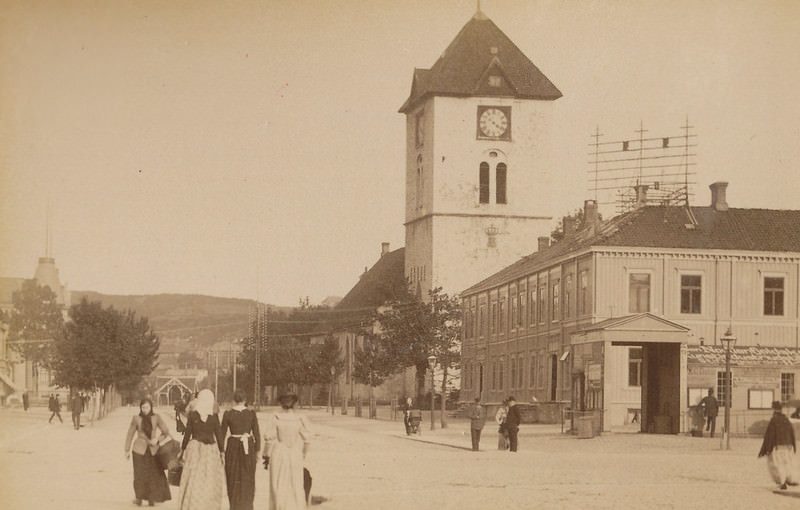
<point>149,481</point>
<point>241,452</point>
<point>203,479</point>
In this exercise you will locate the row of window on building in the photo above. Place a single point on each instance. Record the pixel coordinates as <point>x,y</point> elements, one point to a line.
<point>516,368</point>
<point>757,398</point>
<point>528,313</point>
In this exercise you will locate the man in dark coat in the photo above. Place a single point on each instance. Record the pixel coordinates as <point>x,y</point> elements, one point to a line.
<point>55,408</point>
<point>26,401</point>
<point>477,420</point>
<point>779,447</point>
<point>512,423</point>
<point>406,408</point>
<point>710,408</point>
<point>76,406</point>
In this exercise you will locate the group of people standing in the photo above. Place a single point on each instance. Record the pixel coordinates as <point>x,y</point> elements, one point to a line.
<point>508,419</point>
<point>219,474</point>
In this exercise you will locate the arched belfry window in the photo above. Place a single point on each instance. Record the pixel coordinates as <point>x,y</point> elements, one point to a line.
<point>419,182</point>
<point>484,183</point>
<point>500,178</point>
<point>493,166</point>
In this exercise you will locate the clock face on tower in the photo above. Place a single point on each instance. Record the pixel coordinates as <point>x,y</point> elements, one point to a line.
<point>494,122</point>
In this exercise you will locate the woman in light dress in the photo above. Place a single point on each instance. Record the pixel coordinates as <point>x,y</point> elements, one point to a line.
<point>286,442</point>
<point>203,478</point>
<point>502,434</point>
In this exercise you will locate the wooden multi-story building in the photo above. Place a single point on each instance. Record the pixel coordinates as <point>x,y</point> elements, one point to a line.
<point>625,316</point>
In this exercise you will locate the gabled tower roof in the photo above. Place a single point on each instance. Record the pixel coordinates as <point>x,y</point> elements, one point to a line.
<point>479,47</point>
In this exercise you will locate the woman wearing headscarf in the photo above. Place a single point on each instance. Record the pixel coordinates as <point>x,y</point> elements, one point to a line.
<point>286,442</point>
<point>203,478</point>
<point>779,447</point>
<point>241,452</point>
<point>502,432</point>
<point>149,481</point>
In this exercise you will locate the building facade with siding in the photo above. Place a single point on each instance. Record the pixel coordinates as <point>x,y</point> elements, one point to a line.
<point>620,315</point>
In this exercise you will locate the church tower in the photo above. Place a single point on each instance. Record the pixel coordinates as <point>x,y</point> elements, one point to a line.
<point>477,180</point>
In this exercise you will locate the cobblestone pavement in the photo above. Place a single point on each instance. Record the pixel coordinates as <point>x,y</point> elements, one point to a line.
<point>360,463</point>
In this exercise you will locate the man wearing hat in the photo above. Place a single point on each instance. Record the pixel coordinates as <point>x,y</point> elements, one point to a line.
<point>477,419</point>
<point>512,423</point>
<point>779,447</point>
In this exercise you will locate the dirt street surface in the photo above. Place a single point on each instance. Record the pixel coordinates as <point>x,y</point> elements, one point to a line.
<point>359,463</point>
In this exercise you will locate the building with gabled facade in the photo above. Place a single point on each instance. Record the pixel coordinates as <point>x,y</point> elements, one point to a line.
<point>625,316</point>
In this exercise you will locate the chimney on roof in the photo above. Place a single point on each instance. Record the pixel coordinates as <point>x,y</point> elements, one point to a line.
<point>544,243</point>
<point>718,202</point>
<point>590,214</point>
<point>384,249</point>
<point>641,195</point>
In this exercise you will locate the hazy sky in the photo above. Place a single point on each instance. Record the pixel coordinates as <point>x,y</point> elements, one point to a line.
<point>254,149</point>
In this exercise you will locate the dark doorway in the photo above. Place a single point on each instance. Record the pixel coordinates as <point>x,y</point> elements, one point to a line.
<point>661,388</point>
<point>553,377</point>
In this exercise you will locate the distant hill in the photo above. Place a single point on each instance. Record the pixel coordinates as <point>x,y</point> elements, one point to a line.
<point>204,319</point>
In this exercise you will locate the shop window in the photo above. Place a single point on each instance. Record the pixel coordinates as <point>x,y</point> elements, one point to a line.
<point>635,366</point>
<point>638,292</point>
<point>773,296</point>
<point>787,386</point>
<point>690,293</point>
<point>722,389</point>
<point>759,399</point>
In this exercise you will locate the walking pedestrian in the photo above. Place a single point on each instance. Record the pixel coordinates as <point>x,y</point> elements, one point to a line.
<point>241,452</point>
<point>149,481</point>
<point>203,478</point>
<point>286,443</point>
<point>502,433</point>
<point>512,423</point>
<point>26,401</point>
<point>477,420</point>
<point>780,448</point>
<point>55,408</point>
<point>76,406</point>
<point>710,407</point>
<point>407,415</point>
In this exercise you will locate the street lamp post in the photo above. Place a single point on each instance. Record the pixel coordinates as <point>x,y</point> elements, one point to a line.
<point>431,364</point>
<point>330,391</point>
<point>729,340</point>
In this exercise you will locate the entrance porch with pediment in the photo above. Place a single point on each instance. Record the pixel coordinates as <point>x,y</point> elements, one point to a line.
<point>645,392</point>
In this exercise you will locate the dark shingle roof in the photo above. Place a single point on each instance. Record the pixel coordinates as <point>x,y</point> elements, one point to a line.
<point>479,47</point>
<point>385,281</point>
<point>766,230</point>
